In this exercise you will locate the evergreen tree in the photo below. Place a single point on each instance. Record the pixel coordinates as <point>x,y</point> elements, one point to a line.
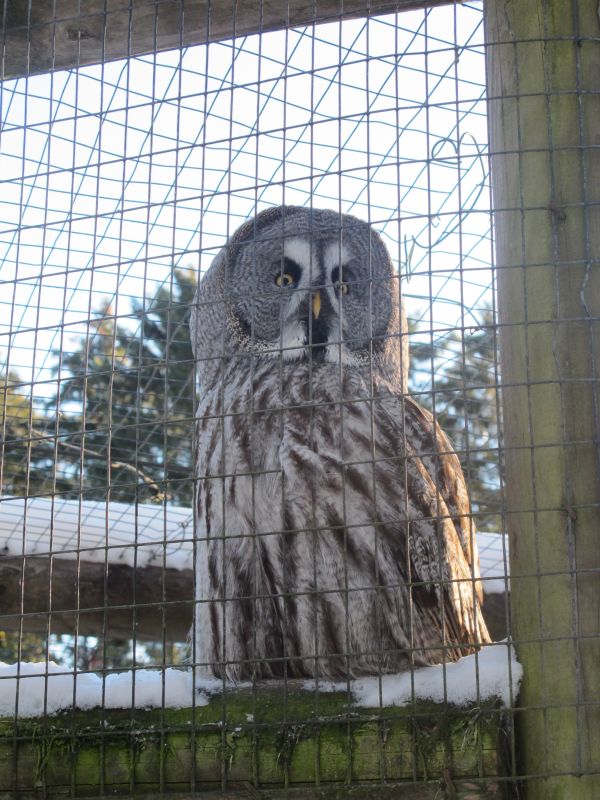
<point>122,419</point>
<point>26,646</point>
<point>126,405</point>
<point>26,453</point>
<point>455,378</point>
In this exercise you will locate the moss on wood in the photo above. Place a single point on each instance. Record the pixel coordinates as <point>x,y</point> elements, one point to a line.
<point>263,739</point>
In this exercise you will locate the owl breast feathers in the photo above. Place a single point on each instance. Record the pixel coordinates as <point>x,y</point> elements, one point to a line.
<point>333,523</point>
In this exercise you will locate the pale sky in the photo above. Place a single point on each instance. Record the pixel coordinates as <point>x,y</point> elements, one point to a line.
<point>109,174</point>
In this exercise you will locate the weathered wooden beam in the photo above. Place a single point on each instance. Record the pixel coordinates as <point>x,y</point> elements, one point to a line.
<point>543,67</point>
<point>90,598</point>
<point>40,36</point>
<point>249,742</point>
<point>94,599</point>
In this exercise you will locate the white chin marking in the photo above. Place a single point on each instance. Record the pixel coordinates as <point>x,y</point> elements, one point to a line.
<point>338,354</point>
<point>333,354</point>
<point>293,354</point>
<point>292,343</point>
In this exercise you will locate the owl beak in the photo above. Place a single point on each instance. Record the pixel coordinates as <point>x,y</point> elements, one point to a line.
<point>315,302</point>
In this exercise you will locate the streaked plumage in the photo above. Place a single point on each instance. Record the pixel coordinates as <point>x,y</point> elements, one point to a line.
<point>333,522</point>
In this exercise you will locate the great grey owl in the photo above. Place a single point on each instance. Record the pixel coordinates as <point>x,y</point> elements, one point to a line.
<point>332,518</point>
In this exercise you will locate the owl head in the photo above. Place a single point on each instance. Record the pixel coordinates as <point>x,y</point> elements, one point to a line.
<point>302,285</point>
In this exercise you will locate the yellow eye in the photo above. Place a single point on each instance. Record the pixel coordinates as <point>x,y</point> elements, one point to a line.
<point>342,287</point>
<point>284,279</point>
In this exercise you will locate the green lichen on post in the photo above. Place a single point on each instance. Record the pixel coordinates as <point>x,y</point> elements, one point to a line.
<point>544,117</point>
<point>264,739</point>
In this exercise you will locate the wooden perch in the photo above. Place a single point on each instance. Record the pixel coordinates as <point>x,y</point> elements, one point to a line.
<point>116,599</point>
<point>253,743</point>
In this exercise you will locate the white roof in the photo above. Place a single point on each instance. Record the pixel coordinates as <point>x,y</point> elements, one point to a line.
<point>116,533</point>
<point>144,535</point>
<point>493,562</point>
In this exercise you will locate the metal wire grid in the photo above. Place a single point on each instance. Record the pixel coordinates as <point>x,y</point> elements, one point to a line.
<point>116,175</point>
<point>240,159</point>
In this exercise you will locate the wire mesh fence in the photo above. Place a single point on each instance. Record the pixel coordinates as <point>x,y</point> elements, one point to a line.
<point>268,497</point>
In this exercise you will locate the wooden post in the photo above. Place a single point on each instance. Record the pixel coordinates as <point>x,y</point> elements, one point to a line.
<point>543,61</point>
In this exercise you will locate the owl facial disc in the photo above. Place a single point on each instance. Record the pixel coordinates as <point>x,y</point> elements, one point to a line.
<point>300,284</point>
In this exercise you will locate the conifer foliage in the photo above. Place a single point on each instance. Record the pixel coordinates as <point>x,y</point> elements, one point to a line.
<point>455,377</point>
<point>26,453</point>
<point>126,402</point>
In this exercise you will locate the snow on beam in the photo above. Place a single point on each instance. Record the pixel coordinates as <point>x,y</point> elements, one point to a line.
<point>108,568</point>
<point>35,689</point>
<point>99,532</point>
<point>41,37</point>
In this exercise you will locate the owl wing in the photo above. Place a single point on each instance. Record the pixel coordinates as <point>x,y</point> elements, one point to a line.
<point>443,551</point>
<point>443,466</point>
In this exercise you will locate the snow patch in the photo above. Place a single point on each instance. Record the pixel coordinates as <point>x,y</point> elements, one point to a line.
<point>36,689</point>
<point>493,672</point>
